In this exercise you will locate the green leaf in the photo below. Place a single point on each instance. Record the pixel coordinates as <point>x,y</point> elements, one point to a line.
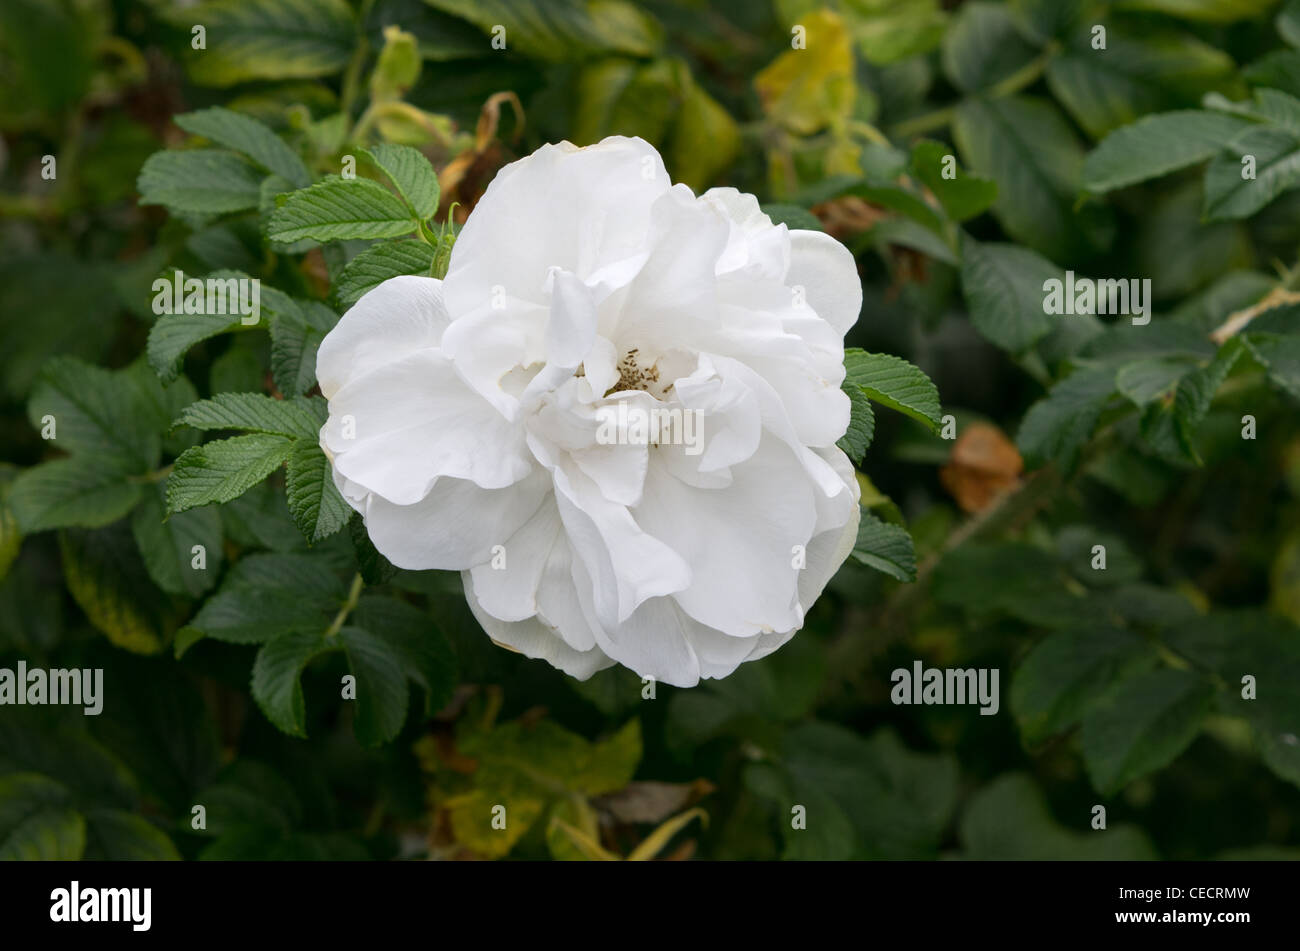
<point>1044,20</point>
<point>1009,820</point>
<point>1279,69</point>
<point>793,217</point>
<point>267,595</point>
<point>167,544</point>
<point>314,500</point>
<point>199,181</point>
<point>1238,643</point>
<point>172,335</point>
<point>1155,146</point>
<point>1074,546</point>
<point>338,208</point>
<point>374,567</point>
<point>398,66</point>
<point>1276,156</point>
<point>1028,148</point>
<point>11,535</point>
<point>268,39</point>
<point>295,338</point>
<point>79,491</point>
<point>381,686</point>
<point>113,835</point>
<point>97,412</point>
<point>888,33</point>
<point>1066,674</point>
<point>277,678</point>
<point>1280,355</point>
<point>1288,22</point>
<point>619,96</point>
<point>411,174</point>
<point>253,412</point>
<point>612,762</point>
<point>56,744</point>
<point>1135,75</point>
<point>414,638</point>
<point>563,30</point>
<point>1146,381</point>
<point>1209,11</point>
<point>224,469</point>
<point>981,577</point>
<point>885,547</point>
<point>249,137</point>
<point>983,46</point>
<point>377,264</point>
<point>964,195</point>
<point>37,821</point>
<point>892,381</point>
<point>1170,427</point>
<point>107,578</point>
<point>862,425</point>
<point>704,140</point>
<point>1269,105</point>
<point>158,722</point>
<point>1056,427</point>
<point>1144,723</point>
<point>878,799</point>
<point>1005,290</point>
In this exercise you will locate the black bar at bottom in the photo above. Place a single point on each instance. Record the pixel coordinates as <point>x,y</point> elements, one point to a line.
<point>333,901</point>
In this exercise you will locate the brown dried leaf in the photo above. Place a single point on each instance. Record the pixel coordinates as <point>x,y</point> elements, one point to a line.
<point>984,464</point>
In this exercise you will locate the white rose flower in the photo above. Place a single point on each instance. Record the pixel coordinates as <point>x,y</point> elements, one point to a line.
<point>494,422</point>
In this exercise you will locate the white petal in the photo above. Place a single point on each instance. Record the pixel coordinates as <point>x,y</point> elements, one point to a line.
<point>400,315</point>
<point>455,526</point>
<point>532,638</point>
<point>579,209</point>
<point>626,564</point>
<point>835,533</point>
<point>507,584</point>
<point>675,290</point>
<point>414,421</point>
<point>827,272</point>
<point>740,541</point>
<point>655,641</point>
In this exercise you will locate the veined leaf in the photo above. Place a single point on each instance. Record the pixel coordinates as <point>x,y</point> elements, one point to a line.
<point>199,181</point>
<point>224,469</point>
<point>338,208</point>
<point>249,137</point>
<point>412,176</point>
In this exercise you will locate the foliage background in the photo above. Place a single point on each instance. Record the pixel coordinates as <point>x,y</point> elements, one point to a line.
<point>1119,687</point>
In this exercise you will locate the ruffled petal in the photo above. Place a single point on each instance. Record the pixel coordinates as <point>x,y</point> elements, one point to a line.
<point>400,315</point>
<point>400,427</point>
<point>455,526</point>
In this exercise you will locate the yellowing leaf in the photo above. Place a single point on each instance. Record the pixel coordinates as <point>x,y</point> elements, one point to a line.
<point>808,89</point>
<point>472,820</point>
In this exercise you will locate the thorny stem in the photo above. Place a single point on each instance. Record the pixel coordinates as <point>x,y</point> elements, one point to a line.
<point>354,595</point>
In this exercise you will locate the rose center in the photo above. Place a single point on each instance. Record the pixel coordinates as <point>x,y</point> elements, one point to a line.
<point>633,376</point>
